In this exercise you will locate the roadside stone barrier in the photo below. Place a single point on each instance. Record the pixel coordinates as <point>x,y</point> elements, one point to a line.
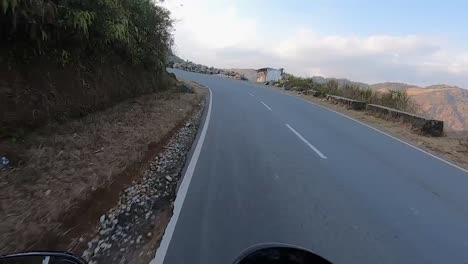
<point>354,104</point>
<point>426,126</point>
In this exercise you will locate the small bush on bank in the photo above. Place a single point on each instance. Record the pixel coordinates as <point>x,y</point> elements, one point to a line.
<point>398,100</point>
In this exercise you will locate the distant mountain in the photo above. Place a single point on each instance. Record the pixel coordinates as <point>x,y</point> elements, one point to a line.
<point>442,86</point>
<point>341,82</point>
<point>395,86</point>
<point>443,102</point>
<point>348,82</point>
<point>319,79</point>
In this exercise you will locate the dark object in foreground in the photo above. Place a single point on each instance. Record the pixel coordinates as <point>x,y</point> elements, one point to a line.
<point>426,126</point>
<point>278,254</point>
<point>41,258</point>
<point>260,254</point>
<point>354,104</point>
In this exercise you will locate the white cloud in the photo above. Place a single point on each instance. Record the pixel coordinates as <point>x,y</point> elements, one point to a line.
<point>216,33</point>
<point>204,28</point>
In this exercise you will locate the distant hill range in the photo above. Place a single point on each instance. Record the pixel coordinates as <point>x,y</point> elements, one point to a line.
<point>341,82</point>
<point>395,86</point>
<point>442,102</point>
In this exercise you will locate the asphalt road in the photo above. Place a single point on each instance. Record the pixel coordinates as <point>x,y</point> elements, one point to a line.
<point>274,168</point>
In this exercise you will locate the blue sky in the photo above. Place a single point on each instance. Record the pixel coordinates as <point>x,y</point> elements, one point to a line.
<point>367,17</point>
<point>419,42</point>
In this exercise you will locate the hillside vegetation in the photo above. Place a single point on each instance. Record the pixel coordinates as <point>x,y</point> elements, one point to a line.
<point>138,30</point>
<point>67,58</point>
<point>397,99</point>
<point>392,86</point>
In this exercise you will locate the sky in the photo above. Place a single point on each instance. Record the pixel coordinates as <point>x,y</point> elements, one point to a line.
<point>372,41</point>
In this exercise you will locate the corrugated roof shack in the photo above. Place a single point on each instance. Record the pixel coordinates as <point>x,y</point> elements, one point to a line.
<point>269,75</point>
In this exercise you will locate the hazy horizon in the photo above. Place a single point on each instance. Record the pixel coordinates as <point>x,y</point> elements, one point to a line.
<point>361,41</point>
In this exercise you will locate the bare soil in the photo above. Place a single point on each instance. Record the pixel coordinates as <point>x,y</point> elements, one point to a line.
<point>454,149</point>
<point>64,176</point>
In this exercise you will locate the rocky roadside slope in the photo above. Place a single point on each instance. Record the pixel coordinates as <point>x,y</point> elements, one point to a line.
<point>131,231</point>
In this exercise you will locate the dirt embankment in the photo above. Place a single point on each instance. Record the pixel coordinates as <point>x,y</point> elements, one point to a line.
<point>65,176</point>
<point>33,93</point>
<point>448,147</point>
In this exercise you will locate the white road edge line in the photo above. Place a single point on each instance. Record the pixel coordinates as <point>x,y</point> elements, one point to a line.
<point>307,142</point>
<point>266,105</point>
<point>380,131</point>
<point>179,201</point>
<point>251,94</point>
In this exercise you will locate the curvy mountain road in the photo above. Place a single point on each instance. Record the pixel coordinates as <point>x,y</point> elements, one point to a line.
<point>269,167</point>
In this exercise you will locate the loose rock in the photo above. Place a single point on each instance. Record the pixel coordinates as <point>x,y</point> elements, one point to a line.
<point>124,227</point>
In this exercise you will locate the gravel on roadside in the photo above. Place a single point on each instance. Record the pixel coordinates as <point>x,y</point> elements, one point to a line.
<point>123,232</point>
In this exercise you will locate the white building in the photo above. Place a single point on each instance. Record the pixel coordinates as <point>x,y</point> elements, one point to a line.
<point>269,75</point>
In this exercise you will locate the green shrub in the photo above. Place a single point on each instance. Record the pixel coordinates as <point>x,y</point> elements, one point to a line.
<point>353,91</point>
<point>396,99</point>
<point>301,84</point>
<point>367,94</point>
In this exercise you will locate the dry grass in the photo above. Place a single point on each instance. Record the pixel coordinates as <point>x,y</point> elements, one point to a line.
<point>59,165</point>
<point>448,147</point>
<point>464,144</point>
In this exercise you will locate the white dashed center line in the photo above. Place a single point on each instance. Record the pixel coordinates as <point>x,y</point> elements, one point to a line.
<point>307,142</point>
<point>266,105</point>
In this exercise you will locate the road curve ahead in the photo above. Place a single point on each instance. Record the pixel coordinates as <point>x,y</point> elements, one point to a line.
<point>274,168</point>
